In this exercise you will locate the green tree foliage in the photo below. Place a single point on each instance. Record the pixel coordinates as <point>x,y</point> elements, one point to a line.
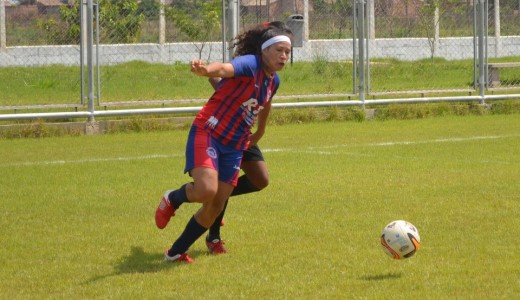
<point>63,31</point>
<point>338,13</point>
<point>428,22</point>
<point>149,8</point>
<point>199,20</point>
<point>340,9</point>
<point>119,22</point>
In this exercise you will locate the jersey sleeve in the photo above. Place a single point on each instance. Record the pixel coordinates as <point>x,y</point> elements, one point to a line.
<point>245,66</point>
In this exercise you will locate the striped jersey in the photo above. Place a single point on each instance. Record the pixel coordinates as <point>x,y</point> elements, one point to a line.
<point>231,111</point>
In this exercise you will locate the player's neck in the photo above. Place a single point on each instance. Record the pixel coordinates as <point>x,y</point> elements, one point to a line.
<point>268,73</point>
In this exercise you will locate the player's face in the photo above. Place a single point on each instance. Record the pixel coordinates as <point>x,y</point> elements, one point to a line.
<point>276,56</point>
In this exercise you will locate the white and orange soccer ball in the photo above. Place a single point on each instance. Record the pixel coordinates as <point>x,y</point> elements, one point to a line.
<point>400,239</point>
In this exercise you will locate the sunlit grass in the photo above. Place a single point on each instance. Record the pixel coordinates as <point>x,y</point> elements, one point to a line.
<point>135,81</point>
<point>77,214</point>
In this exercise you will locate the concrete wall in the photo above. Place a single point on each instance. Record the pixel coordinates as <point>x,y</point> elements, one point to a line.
<point>332,50</point>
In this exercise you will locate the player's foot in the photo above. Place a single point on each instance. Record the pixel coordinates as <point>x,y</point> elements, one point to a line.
<point>216,246</point>
<point>184,257</point>
<point>164,211</point>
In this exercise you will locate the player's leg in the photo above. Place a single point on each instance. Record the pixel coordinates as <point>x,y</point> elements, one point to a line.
<point>204,217</point>
<point>224,159</point>
<point>198,154</point>
<point>255,178</point>
<point>256,175</point>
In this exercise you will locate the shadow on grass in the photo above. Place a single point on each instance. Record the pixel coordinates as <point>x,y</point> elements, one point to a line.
<point>138,261</point>
<point>386,276</point>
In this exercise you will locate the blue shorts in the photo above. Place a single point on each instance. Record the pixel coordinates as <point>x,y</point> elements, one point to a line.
<point>202,150</point>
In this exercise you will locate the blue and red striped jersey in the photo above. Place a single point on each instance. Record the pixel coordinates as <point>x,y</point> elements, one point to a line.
<point>231,111</point>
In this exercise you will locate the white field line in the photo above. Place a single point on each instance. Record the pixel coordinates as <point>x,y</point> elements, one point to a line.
<point>447,140</point>
<point>322,150</point>
<point>91,160</point>
<point>385,144</point>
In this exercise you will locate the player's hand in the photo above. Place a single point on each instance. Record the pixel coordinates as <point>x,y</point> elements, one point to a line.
<point>254,138</point>
<point>199,67</point>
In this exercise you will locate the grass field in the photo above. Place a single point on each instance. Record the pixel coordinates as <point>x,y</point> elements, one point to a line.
<point>137,81</point>
<point>77,215</point>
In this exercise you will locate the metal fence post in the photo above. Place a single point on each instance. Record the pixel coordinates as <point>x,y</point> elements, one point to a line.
<point>3,39</point>
<point>90,49</point>
<point>82,42</point>
<point>498,40</point>
<point>306,20</point>
<point>98,72</point>
<point>368,40</point>
<point>361,43</point>
<point>162,24</point>
<point>224,32</point>
<point>354,49</point>
<point>233,21</point>
<point>482,64</point>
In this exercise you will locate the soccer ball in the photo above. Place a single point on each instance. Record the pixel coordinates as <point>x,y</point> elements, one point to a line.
<point>400,239</point>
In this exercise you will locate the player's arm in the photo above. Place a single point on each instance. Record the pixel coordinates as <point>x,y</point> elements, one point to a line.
<point>216,69</point>
<point>262,123</point>
<point>214,82</point>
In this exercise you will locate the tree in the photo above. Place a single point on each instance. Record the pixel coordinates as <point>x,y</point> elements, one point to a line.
<point>149,8</point>
<point>119,22</point>
<point>199,20</point>
<point>430,13</point>
<point>341,9</point>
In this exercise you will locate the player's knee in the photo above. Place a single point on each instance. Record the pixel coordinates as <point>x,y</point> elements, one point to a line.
<point>212,209</point>
<point>204,193</point>
<point>261,182</point>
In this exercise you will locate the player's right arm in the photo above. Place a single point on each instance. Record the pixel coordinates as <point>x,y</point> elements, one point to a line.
<point>216,69</point>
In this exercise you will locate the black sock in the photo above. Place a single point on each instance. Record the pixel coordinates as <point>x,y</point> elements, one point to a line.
<point>244,186</point>
<point>190,234</point>
<point>214,230</point>
<point>178,197</point>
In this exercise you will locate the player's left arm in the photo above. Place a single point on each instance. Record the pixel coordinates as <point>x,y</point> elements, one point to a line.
<point>214,82</point>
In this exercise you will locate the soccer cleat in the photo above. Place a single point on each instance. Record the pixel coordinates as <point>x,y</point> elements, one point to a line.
<point>216,246</point>
<point>164,211</point>
<point>184,257</point>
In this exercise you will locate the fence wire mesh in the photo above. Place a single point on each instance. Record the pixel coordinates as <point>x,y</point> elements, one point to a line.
<point>408,42</point>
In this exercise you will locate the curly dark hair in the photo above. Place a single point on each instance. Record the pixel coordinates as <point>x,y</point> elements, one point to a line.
<point>250,42</point>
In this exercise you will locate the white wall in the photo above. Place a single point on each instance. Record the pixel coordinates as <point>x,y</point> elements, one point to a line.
<point>333,50</point>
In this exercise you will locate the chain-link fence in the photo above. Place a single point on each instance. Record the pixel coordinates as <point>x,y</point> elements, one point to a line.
<point>405,39</point>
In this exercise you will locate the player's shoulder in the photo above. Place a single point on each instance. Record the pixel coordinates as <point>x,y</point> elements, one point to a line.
<point>248,58</point>
<point>246,65</point>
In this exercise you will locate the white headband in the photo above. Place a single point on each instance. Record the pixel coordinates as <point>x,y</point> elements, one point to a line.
<point>276,39</point>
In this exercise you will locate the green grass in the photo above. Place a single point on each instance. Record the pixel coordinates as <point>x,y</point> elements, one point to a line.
<point>77,214</point>
<point>136,81</point>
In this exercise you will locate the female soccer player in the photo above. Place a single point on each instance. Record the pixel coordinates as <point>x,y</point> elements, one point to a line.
<point>256,175</point>
<point>255,178</point>
<point>221,131</point>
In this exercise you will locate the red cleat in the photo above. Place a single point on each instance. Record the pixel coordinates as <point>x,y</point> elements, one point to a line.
<point>164,212</point>
<point>216,246</point>
<point>184,257</point>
